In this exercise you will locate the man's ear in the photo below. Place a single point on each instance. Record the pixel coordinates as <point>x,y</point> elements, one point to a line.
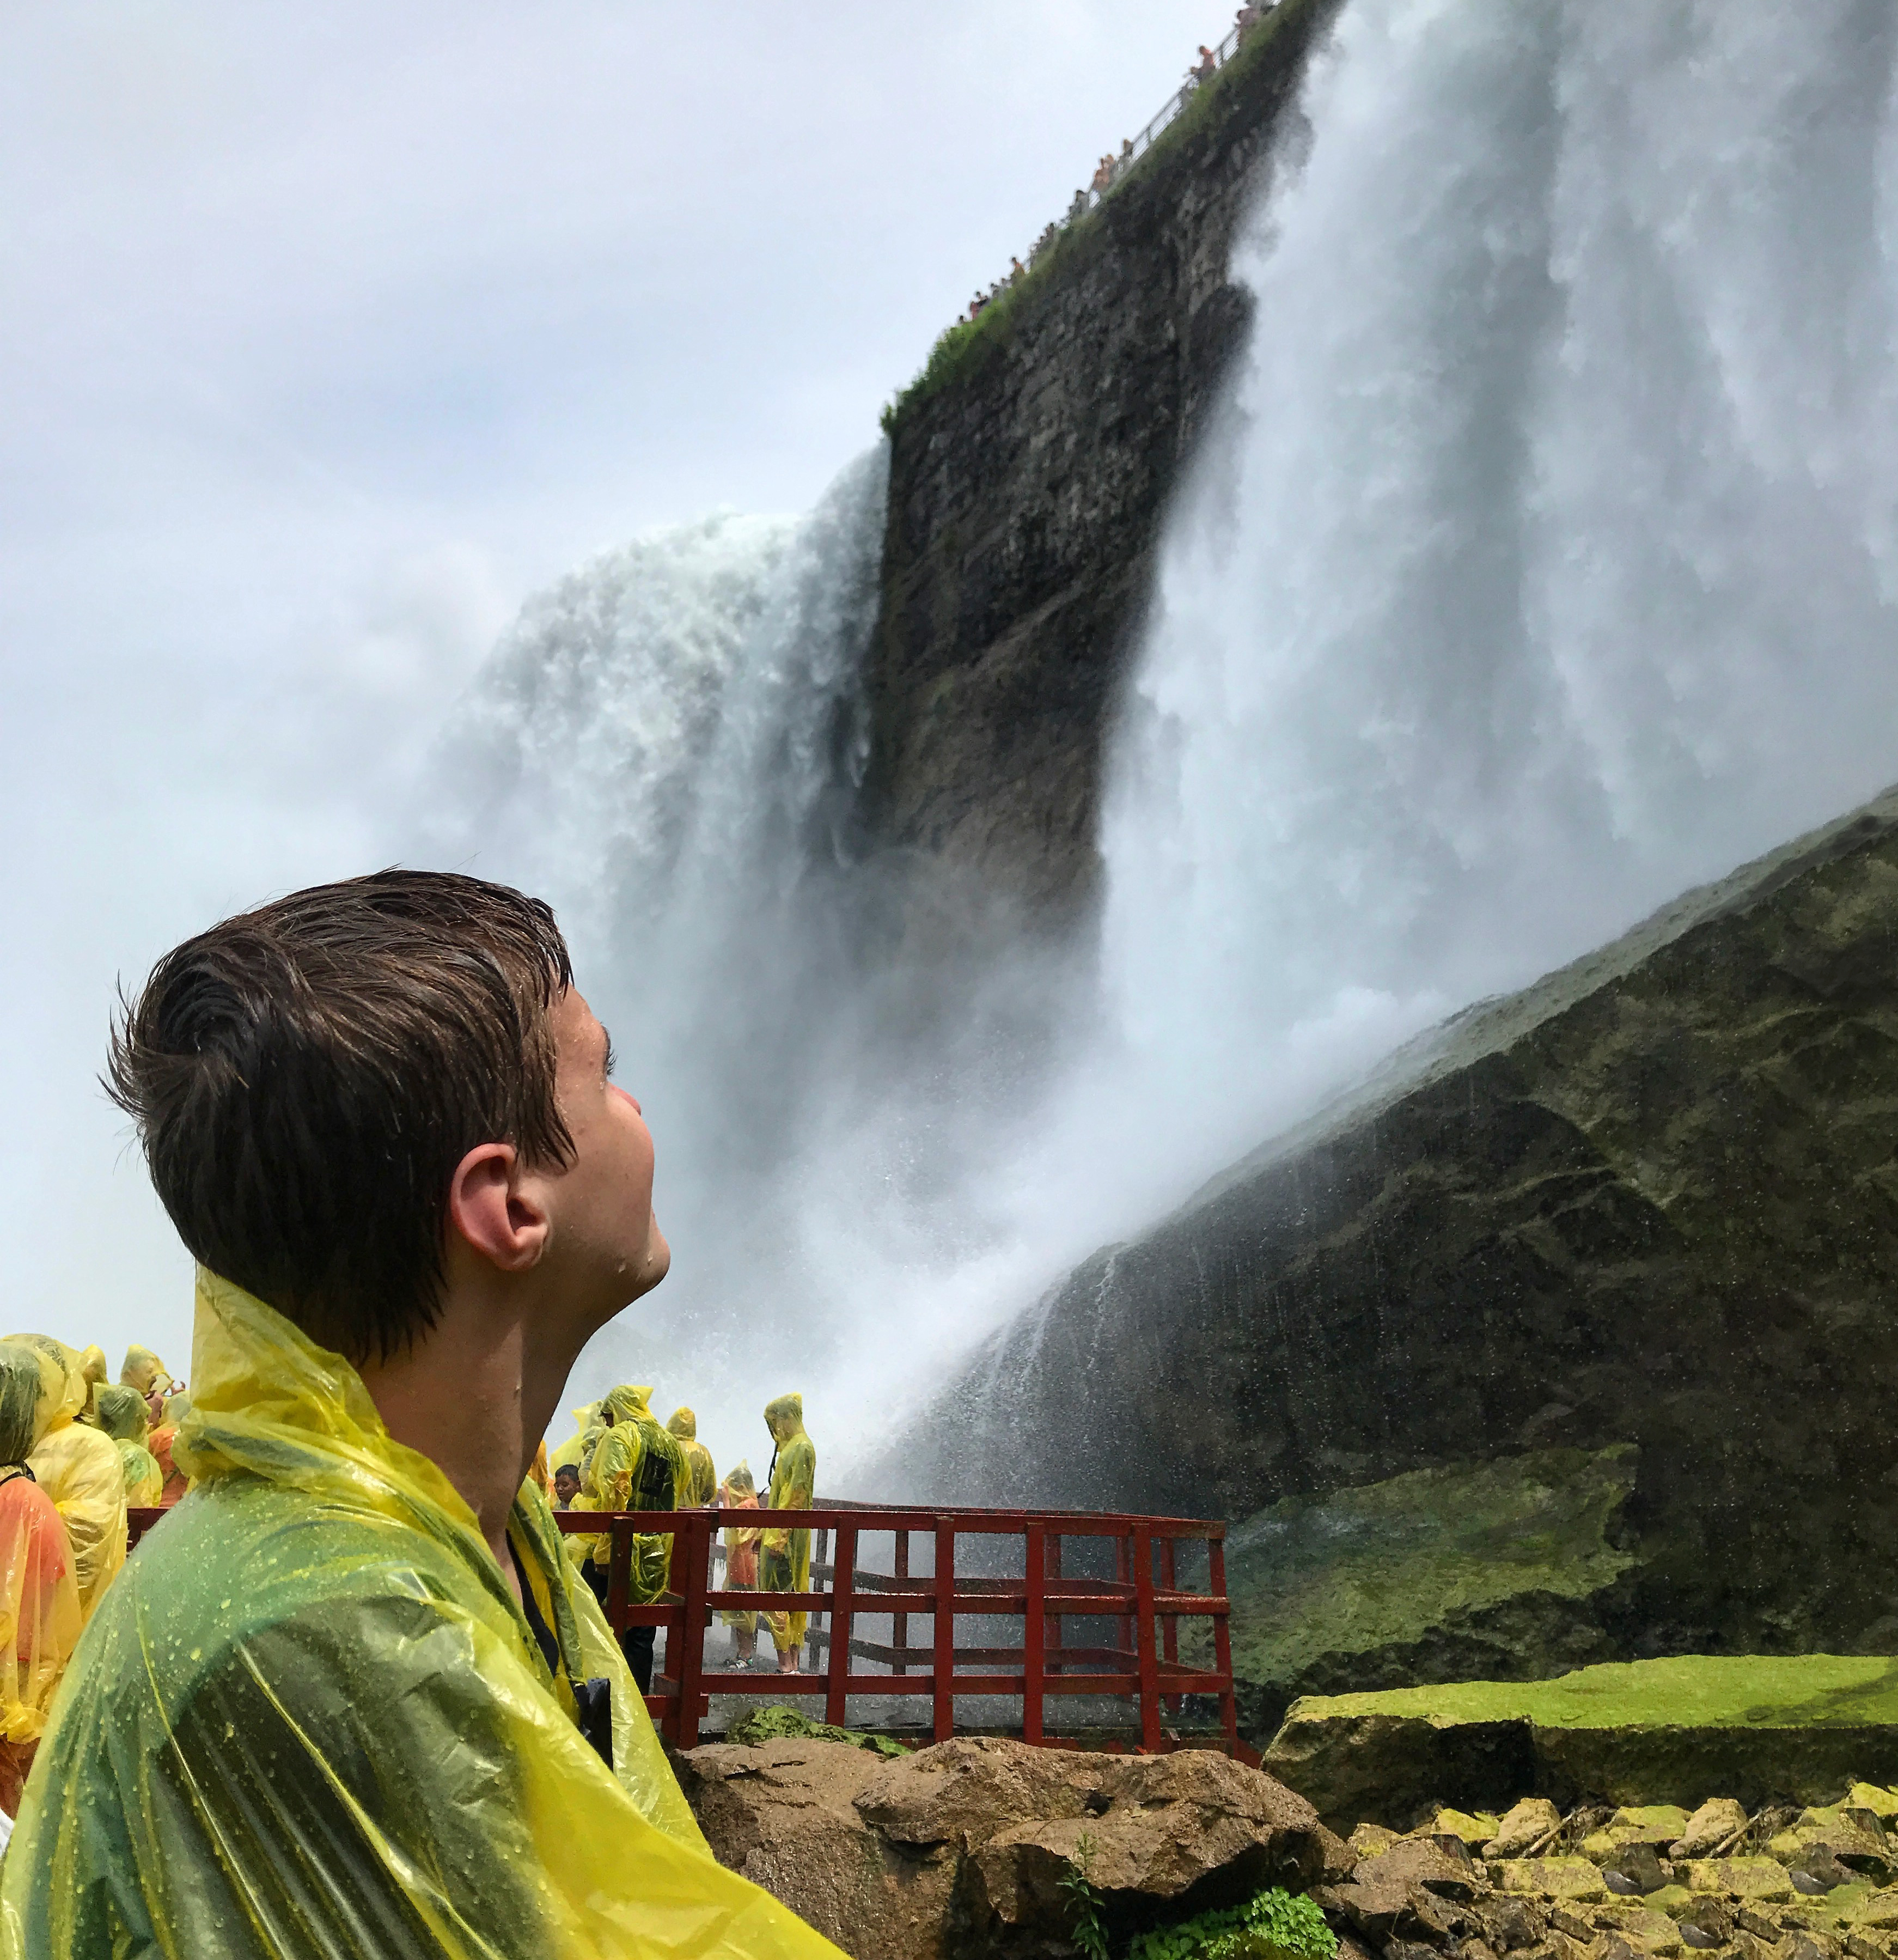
<point>497,1210</point>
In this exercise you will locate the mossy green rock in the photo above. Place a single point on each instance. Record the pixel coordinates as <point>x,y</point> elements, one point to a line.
<point>1434,1575</point>
<point>1677,1730</point>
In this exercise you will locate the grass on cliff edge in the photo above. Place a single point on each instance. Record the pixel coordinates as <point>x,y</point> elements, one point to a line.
<point>962,345</point>
<point>1686,1691</point>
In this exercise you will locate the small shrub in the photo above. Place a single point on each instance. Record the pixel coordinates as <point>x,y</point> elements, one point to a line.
<point>1274,1925</point>
<point>1090,1935</point>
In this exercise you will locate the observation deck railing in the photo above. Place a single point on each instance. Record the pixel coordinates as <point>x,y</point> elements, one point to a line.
<point>1131,1655</point>
<point>1143,1603</point>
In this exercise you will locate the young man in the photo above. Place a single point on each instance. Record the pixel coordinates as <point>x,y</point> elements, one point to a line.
<point>336,1705</point>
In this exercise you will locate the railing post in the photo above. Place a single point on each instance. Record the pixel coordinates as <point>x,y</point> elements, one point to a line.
<point>691,1654</point>
<point>1034,1629</point>
<point>1222,1639</point>
<point>943,1622</point>
<point>820,1552</point>
<point>1051,1625</point>
<point>843,1574</point>
<point>1147,1661</point>
<point>900,1622</point>
<point>1170,1640</point>
<point>1124,1575</point>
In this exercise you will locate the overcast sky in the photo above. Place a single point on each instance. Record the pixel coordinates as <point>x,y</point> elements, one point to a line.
<point>327,334</point>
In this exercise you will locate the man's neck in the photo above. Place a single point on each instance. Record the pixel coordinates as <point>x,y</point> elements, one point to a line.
<point>474,1396</point>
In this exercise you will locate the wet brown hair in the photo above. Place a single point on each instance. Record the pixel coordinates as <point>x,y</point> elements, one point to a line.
<point>306,1077</point>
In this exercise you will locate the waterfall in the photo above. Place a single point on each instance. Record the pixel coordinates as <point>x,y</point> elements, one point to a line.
<point>1545,564</point>
<point>1541,564</point>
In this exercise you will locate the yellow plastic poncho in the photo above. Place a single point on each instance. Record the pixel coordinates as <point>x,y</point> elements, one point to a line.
<point>585,1418</point>
<point>121,1414</point>
<point>79,1468</point>
<point>92,1364</point>
<point>38,1593</point>
<point>312,1720</point>
<point>701,1473</point>
<point>143,1370</point>
<point>785,1564</point>
<point>636,1466</point>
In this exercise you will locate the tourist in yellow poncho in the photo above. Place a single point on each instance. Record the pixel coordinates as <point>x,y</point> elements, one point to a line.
<point>144,1371</point>
<point>401,1666</point>
<point>785,1559</point>
<point>78,1468</point>
<point>740,1493</point>
<point>586,1420</point>
<point>701,1473</point>
<point>341,1705</point>
<point>636,1466</point>
<point>120,1412</point>
<point>37,1592</point>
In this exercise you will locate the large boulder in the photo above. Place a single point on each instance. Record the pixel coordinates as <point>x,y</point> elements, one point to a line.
<point>957,1852</point>
<point>784,1814</point>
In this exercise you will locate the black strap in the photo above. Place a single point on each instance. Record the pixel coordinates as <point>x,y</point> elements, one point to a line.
<point>14,1470</point>
<point>536,1623</point>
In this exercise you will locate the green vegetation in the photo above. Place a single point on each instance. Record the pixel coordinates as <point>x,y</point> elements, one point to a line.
<point>1274,1925</point>
<point>1688,1690</point>
<point>1090,1932</point>
<point>1382,1565</point>
<point>779,1724</point>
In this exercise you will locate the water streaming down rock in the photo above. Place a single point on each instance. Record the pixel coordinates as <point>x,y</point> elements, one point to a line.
<point>1545,564</point>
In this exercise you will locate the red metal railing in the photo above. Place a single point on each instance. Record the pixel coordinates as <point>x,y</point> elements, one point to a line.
<point>1144,1602</point>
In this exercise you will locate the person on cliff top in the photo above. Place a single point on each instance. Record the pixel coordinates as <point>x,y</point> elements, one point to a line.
<point>348,1699</point>
<point>785,1554</point>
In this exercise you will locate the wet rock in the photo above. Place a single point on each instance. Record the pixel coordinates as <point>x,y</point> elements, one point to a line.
<point>1762,1880</point>
<point>1570,1878</point>
<point>1185,1831</point>
<point>1646,1931</point>
<point>784,1814</point>
<point>1637,1866</point>
<point>1524,1826</point>
<point>1717,1825</point>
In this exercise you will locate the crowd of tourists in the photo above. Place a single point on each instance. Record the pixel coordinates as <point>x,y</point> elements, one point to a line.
<point>1111,166</point>
<point>75,1451</point>
<point>620,1459</point>
<point>78,1453</point>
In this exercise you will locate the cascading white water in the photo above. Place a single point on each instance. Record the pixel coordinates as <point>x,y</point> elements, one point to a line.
<point>1549,566</point>
<point>1543,564</point>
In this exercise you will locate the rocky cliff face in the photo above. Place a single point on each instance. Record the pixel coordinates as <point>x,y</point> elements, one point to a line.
<point>1651,1201</point>
<point>1026,493</point>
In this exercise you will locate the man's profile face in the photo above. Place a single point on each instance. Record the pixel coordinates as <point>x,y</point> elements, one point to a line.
<point>605,1236</point>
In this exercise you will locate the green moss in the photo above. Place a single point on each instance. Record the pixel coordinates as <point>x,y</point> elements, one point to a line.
<point>1688,1691</point>
<point>1383,1564</point>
